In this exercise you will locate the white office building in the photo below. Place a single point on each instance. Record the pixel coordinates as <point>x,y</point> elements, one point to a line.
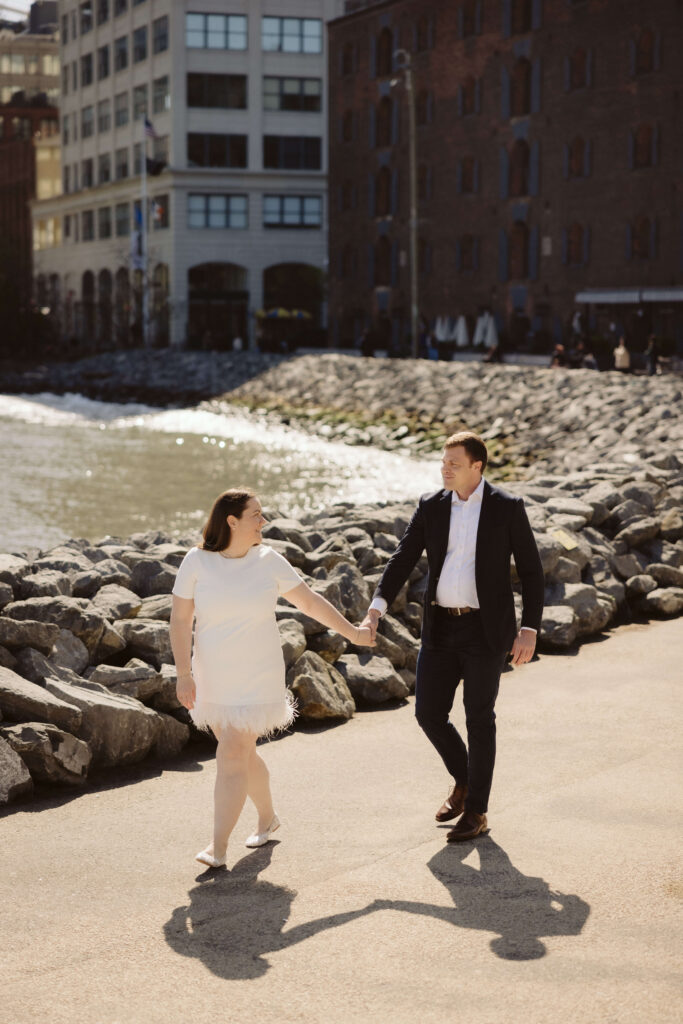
<point>235,93</point>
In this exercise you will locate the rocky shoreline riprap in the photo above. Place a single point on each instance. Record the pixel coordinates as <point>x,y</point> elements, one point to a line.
<point>86,674</point>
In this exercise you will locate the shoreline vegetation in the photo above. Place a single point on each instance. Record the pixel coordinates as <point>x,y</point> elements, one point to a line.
<point>86,675</point>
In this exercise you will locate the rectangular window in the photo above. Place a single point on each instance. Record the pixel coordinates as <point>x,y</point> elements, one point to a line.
<point>102,11</point>
<point>292,211</point>
<point>228,92</point>
<point>122,219</point>
<point>87,225</point>
<point>292,94</point>
<point>67,180</point>
<point>216,31</point>
<point>86,70</point>
<point>65,79</point>
<point>139,102</point>
<point>86,16</point>
<point>140,44</point>
<point>159,213</point>
<point>160,34</point>
<point>216,211</point>
<point>292,35</point>
<point>87,122</point>
<point>74,126</point>
<point>121,164</point>
<point>120,6</point>
<point>87,173</point>
<point>121,109</point>
<point>65,131</point>
<point>160,149</point>
<point>104,222</point>
<point>104,115</point>
<point>65,29</point>
<point>161,97</point>
<point>75,171</point>
<point>121,53</point>
<point>292,152</point>
<point>104,168</point>
<point>74,24</point>
<point>103,63</point>
<point>208,150</point>
<point>74,75</point>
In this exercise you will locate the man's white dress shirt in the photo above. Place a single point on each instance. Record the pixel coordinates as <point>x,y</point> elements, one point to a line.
<point>457,587</point>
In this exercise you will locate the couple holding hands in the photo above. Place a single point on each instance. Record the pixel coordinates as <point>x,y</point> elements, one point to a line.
<point>234,683</point>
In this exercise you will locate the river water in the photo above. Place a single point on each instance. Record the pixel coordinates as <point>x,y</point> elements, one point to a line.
<point>72,467</point>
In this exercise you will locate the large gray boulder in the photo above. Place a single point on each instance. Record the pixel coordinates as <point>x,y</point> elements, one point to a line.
<point>119,730</point>
<point>48,583</point>
<point>288,530</point>
<point>166,699</point>
<point>560,626</point>
<point>353,590</point>
<point>393,652</point>
<point>15,780</point>
<point>6,595</point>
<point>665,575</point>
<point>172,736</point>
<point>15,634</point>
<point>135,679</point>
<point>13,568</point>
<point>329,645</point>
<point>146,639</point>
<point>293,640</point>
<point>150,577</point>
<point>24,701</point>
<point>63,559</point>
<point>640,585</point>
<point>664,601</point>
<point>550,551</point>
<point>672,524</point>
<point>156,607</point>
<point>72,613</point>
<point>50,754</point>
<point>330,553</point>
<point>117,602</point>
<point>400,635</point>
<point>295,555</point>
<point>69,652</point>
<point>583,598</point>
<point>7,659</point>
<point>638,532</point>
<point>284,611</point>
<point>568,506</point>
<point>320,691</point>
<point>372,678</point>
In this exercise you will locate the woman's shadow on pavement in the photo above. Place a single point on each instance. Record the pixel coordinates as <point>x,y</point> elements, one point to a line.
<point>234,918</point>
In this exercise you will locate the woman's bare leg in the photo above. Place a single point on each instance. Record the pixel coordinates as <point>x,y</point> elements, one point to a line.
<point>258,789</point>
<point>233,760</point>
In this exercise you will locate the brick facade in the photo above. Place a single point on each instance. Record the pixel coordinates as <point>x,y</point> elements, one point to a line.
<point>550,155</point>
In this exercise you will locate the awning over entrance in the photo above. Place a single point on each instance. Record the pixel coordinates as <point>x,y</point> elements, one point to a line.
<point>629,296</point>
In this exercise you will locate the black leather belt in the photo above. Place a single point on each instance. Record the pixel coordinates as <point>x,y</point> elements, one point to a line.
<point>457,611</point>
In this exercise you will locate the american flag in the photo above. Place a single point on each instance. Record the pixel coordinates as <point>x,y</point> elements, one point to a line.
<point>149,129</point>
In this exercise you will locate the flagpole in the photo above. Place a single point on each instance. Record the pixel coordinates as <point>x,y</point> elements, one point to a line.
<point>143,242</point>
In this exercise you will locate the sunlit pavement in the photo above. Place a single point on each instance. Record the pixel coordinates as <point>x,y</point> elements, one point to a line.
<point>569,910</point>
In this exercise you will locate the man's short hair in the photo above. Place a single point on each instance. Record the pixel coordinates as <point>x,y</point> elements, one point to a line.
<point>473,445</point>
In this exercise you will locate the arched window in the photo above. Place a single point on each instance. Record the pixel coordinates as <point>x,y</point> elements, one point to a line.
<point>104,304</point>
<point>577,69</point>
<point>347,59</point>
<point>383,136</point>
<point>347,126</point>
<point>423,107</point>
<point>521,16</point>
<point>642,153</point>
<point>385,44</point>
<point>469,90</point>
<point>383,262</point>
<point>519,251</point>
<point>575,244</point>
<point>383,192</point>
<point>577,152</point>
<point>645,52</point>
<point>521,87</point>
<point>519,168</point>
<point>641,238</point>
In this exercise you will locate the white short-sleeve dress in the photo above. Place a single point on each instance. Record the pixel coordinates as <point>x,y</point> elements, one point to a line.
<point>237,661</point>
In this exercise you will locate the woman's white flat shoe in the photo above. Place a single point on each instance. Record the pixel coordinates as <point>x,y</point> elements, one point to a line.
<point>261,838</point>
<point>212,862</point>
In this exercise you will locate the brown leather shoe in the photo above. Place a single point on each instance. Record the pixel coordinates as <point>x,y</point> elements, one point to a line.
<point>454,805</point>
<point>470,825</point>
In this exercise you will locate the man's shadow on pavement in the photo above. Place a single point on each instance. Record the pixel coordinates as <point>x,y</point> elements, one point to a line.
<point>234,918</point>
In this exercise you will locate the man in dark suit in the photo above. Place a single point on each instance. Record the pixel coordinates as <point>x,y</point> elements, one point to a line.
<point>469,530</point>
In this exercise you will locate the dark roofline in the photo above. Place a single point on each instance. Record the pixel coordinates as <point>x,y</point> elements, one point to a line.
<point>364,11</point>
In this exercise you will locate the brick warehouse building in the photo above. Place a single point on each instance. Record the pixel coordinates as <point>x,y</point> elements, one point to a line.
<point>550,166</point>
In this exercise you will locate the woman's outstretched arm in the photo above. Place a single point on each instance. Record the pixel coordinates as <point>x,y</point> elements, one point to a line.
<point>182,616</point>
<point>318,608</point>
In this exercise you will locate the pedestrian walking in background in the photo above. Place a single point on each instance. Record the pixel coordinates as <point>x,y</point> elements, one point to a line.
<point>622,357</point>
<point>651,356</point>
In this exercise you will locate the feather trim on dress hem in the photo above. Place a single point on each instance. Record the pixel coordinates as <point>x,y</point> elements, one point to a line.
<point>262,719</point>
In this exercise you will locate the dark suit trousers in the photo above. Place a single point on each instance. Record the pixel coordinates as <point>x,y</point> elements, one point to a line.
<point>457,652</point>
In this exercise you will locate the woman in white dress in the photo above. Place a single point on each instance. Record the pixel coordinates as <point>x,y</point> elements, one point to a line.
<point>234,681</point>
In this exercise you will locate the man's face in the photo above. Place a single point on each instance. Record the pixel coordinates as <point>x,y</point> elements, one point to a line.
<point>458,472</point>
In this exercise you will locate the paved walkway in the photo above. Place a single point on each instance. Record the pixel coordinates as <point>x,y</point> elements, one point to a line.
<point>568,911</point>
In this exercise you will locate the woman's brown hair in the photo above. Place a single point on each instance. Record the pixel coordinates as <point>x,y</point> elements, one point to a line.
<point>216,532</point>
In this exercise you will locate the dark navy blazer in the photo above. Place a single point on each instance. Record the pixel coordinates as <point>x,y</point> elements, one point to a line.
<point>503,531</point>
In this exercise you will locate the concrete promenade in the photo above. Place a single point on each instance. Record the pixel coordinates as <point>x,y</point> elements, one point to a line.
<point>569,910</point>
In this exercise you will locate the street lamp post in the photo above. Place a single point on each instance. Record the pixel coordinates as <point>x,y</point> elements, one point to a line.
<point>404,65</point>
